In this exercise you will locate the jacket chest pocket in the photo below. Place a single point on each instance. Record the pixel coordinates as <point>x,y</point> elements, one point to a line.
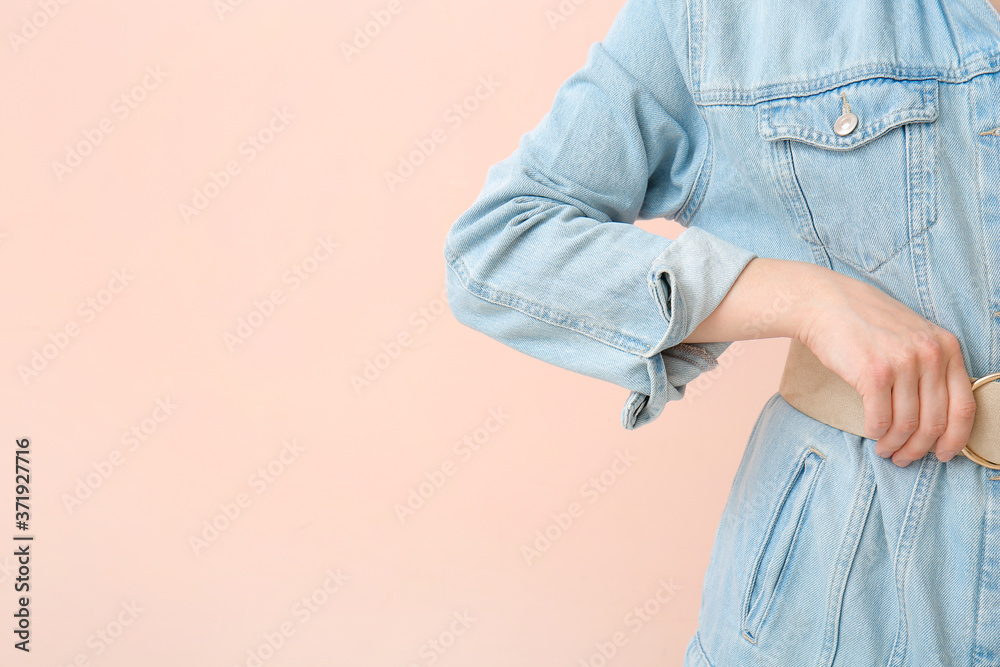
<point>856,164</point>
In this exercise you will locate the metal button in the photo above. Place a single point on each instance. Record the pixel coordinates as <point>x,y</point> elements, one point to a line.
<point>847,121</point>
<point>845,124</point>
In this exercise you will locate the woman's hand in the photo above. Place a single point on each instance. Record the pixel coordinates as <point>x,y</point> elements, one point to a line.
<point>909,371</point>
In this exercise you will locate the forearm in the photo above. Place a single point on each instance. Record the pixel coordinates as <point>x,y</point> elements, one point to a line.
<point>768,300</point>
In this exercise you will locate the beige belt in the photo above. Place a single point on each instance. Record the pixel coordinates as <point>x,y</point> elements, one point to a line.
<point>814,389</point>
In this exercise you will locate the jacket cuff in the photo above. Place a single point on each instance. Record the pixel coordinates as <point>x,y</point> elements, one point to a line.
<point>688,280</point>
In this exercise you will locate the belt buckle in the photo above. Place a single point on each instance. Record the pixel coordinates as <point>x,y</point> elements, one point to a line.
<point>965,450</point>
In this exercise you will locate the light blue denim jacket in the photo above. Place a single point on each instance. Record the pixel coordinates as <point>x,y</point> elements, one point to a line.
<point>722,115</point>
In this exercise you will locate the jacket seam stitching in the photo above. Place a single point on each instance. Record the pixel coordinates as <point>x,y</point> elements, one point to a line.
<point>701,650</point>
<point>716,96</point>
<point>541,312</point>
<point>694,46</point>
<point>696,195</point>
<point>675,214</point>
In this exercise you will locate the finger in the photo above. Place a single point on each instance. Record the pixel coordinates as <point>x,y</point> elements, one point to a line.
<point>932,390</point>
<point>876,393</point>
<point>905,414</point>
<point>961,410</point>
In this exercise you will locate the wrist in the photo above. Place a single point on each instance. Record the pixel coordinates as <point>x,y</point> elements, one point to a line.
<point>771,298</point>
<point>774,298</point>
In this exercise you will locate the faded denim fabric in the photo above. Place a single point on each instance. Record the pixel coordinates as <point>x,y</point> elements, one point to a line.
<point>721,114</point>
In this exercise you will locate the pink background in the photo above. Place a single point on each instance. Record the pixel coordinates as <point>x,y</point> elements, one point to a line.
<point>148,424</point>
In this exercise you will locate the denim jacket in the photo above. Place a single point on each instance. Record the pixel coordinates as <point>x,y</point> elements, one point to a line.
<point>721,115</point>
<point>860,135</point>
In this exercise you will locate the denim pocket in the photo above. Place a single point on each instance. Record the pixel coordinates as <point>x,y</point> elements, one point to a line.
<point>791,559</point>
<point>777,549</point>
<point>866,192</point>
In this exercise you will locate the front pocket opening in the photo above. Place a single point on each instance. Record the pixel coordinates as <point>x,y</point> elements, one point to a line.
<point>776,551</point>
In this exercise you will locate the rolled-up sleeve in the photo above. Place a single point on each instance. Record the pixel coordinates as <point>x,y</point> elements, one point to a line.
<point>547,260</point>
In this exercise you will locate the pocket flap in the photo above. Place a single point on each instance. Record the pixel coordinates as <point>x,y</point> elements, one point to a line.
<point>879,104</point>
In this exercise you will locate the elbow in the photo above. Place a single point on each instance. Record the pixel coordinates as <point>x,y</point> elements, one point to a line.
<point>460,284</point>
<point>482,243</point>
